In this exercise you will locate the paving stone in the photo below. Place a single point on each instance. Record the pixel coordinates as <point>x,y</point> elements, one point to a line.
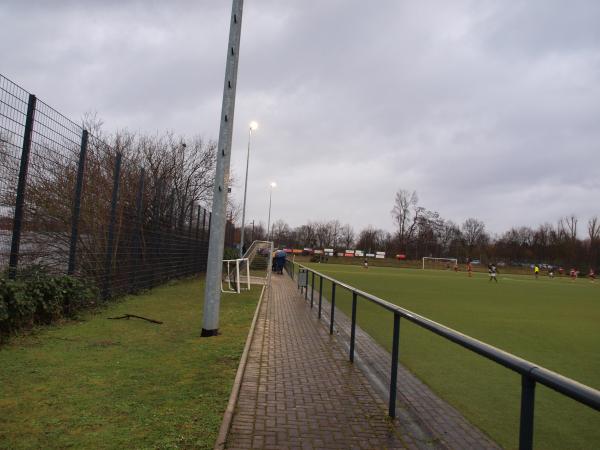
<point>300,391</point>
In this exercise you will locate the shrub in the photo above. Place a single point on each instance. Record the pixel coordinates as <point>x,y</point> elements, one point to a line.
<point>37,297</point>
<point>19,309</point>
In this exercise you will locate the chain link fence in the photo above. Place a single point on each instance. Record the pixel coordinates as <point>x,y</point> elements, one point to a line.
<point>72,204</point>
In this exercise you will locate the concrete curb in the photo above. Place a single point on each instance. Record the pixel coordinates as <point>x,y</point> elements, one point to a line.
<point>235,390</point>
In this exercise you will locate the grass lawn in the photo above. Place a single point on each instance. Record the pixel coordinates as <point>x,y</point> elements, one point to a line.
<point>553,323</point>
<point>99,383</point>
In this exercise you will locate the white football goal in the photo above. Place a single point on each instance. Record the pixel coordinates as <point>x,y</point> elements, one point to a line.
<point>236,275</point>
<point>439,263</point>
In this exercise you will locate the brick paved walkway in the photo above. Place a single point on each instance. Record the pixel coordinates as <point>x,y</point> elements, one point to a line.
<point>416,403</point>
<point>300,392</point>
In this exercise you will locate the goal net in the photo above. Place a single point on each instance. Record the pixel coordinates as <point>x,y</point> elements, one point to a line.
<point>439,263</point>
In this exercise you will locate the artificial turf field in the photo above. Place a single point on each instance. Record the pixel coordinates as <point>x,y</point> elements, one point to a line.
<point>553,323</point>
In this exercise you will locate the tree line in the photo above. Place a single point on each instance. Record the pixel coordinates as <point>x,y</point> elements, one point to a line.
<point>419,231</point>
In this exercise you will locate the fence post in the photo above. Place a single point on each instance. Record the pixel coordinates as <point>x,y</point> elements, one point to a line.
<point>189,257</point>
<point>77,203</point>
<point>203,243</point>
<point>527,407</point>
<point>331,315</point>
<point>20,200</point>
<point>196,258</point>
<point>107,288</point>
<point>171,238</point>
<point>353,327</point>
<point>198,222</point>
<point>209,222</point>
<point>137,235</point>
<point>394,375</point>
<point>157,232</point>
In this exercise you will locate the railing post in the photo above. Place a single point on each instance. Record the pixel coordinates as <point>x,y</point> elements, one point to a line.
<point>394,374</point>
<point>320,294</point>
<point>107,288</point>
<point>332,314</point>
<point>306,286</point>
<point>77,203</point>
<point>353,327</point>
<point>527,408</point>
<point>137,234</point>
<point>20,200</point>
<point>312,290</point>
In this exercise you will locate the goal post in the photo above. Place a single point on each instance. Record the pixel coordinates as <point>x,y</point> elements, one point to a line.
<point>439,261</point>
<point>236,275</point>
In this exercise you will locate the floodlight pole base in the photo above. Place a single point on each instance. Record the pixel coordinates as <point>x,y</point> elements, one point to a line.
<point>209,333</point>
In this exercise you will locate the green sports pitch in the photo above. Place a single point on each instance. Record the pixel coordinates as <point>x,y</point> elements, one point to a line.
<point>554,323</point>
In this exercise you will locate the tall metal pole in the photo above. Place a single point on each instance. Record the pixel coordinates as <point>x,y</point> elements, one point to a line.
<point>212,290</point>
<point>245,189</point>
<point>269,221</point>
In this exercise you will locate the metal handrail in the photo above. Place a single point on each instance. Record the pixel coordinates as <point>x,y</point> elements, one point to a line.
<point>531,373</point>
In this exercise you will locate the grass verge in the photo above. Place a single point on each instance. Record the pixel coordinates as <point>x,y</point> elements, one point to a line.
<point>100,383</point>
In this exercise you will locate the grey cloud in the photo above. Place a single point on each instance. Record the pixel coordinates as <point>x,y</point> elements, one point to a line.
<point>487,109</point>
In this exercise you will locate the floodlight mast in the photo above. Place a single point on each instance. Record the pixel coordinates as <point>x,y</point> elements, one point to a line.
<point>214,269</point>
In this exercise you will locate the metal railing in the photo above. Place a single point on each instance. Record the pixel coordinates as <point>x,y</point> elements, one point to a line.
<point>530,373</point>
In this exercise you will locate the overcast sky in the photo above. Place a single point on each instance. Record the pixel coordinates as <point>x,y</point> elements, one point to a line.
<point>488,109</point>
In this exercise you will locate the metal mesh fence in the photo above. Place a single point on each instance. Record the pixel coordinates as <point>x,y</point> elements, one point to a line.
<point>72,204</point>
<point>13,111</point>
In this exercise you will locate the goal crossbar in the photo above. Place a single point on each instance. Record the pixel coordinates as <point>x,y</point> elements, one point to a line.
<point>454,260</point>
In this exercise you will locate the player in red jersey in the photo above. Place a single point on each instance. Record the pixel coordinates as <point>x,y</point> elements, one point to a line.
<point>592,275</point>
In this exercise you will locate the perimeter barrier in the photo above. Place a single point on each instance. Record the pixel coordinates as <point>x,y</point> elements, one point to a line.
<point>72,204</point>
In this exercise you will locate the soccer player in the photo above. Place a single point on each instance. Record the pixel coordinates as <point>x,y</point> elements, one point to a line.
<point>551,271</point>
<point>492,271</point>
<point>573,274</point>
<point>366,263</point>
<point>536,271</point>
<point>592,275</point>
<point>469,267</point>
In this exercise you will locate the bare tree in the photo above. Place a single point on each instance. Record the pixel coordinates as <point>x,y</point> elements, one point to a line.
<point>406,213</point>
<point>568,226</point>
<point>306,234</point>
<point>594,229</point>
<point>371,239</point>
<point>347,235</point>
<point>280,231</point>
<point>473,232</point>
